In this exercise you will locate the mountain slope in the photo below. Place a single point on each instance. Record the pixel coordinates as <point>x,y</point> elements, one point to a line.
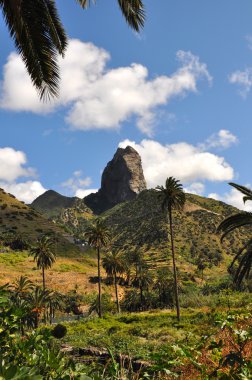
<point>51,203</point>
<point>20,219</point>
<point>140,225</point>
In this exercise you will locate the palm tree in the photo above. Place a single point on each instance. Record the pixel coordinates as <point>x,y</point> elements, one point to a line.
<point>21,288</point>
<point>143,281</point>
<point>97,236</point>
<point>164,284</point>
<point>133,258</point>
<point>38,302</point>
<point>39,36</point>
<point>43,255</point>
<point>136,258</point>
<point>172,197</point>
<point>55,302</point>
<point>240,219</point>
<point>113,264</point>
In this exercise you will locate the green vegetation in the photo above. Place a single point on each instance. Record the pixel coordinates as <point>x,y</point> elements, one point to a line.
<point>205,343</point>
<point>114,264</point>
<point>136,228</point>
<point>169,349</point>
<point>21,226</point>
<point>212,338</point>
<point>26,353</point>
<point>51,203</point>
<point>43,255</point>
<point>97,236</point>
<point>173,198</point>
<point>241,219</point>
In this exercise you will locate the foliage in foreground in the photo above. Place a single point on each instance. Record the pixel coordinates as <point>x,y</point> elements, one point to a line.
<point>32,354</point>
<point>204,345</point>
<point>224,354</point>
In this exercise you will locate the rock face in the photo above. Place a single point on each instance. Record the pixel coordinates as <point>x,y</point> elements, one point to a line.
<point>122,180</point>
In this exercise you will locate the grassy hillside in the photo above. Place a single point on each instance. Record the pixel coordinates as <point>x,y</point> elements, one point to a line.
<point>51,203</point>
<point>71,214</point>
<point>20,219</point>
<point>66,274</point>
<point>140,225</point>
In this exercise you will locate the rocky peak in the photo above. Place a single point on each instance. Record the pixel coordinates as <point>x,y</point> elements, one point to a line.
<point>122,180</point>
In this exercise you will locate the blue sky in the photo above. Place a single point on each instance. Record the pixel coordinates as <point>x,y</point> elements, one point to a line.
<point>180,93</point>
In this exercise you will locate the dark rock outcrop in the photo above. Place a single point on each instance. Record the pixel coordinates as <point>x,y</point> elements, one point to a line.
<point>122,180</point>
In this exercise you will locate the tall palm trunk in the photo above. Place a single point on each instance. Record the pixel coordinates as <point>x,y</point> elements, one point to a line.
<point>50,312</point>
<point>174,265</point>
<point>116,293</point>
<point>43,277</point>
<point>99,281</point>
<point>141,296</point>
<point>36,321</point>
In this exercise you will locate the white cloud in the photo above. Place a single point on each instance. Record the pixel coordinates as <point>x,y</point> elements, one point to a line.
<point>184,161</point>
<point>223,139</point>
<point>197,188</point>
<point>17,92</point>
<point>81,193</point>
<point>97,97</point>
<point>76,183</point>
<point>234,198</point>
<point>243,79</point>
<point>12,164</point>
<point>24,191</point>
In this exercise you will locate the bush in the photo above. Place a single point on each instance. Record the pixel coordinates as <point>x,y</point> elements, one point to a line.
<point>59,331</point>
<point>131,301</point>
<point>107,305</point>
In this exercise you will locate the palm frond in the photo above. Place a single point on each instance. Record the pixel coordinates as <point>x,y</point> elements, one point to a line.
<point>42,253</point>
<point>133,12</point>
<point>233,222</point>
<point>244,190</point>
<point>113,262</point>
<point>244,258</point>
<point>97,234</point>
<point>172,195</point>
<point>85,3</point>
<point>39,37</point>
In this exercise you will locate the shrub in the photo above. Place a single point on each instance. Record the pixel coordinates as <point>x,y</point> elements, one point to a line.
<point>59,331</point>
<point>107,305</point>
